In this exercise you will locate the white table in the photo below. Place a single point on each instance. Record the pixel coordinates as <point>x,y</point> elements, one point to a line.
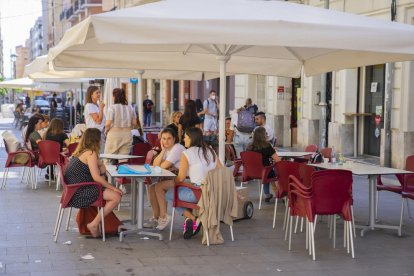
<point>291,154</point>
<point>372,172</point>
<point>138,196</point>
<point>118,156</point>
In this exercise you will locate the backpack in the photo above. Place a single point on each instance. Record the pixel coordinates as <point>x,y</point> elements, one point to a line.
<point>245,122</point>
<point>86,215</point>
<point>316,158</point>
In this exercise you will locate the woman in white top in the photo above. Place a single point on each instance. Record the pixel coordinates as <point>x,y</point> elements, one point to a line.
<point>94,115</point>
<point>169,158</point>
<point>121,119</point>
<point>196,162</point>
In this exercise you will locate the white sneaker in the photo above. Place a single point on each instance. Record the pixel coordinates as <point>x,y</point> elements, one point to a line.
<point>163,222</point>
<point>151,223</point>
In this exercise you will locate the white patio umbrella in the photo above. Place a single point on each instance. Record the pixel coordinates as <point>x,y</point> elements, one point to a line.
<point>253,37</point>
<point>29,85</point>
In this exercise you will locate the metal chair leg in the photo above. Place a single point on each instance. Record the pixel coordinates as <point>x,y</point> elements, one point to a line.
<point>57,219</point>
<point>274,214</point>
<point>3,184</point>
<point>351,239</point>
<point>172,221</point>
<point>68,219</point>
<point>103,224</point>
<point>231,233</point>
<point>296,224</point>
<point>312,230</point>
<point>290,232</point>
<point>286,213</point>
<point>401,217</point>
<point>376,204</point>
<point>59,223</point>
<point>208,239</point>
<point>301,225</point>
<point>353,221</point>
<point>261,196</point>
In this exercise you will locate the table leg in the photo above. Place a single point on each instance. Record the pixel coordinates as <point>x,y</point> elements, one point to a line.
<point>134,196</point>
<point>355,136</point>
<point>138,198</point>
<point>371,220</point>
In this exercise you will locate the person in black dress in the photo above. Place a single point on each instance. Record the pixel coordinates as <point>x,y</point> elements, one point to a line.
<point>269,155</point>
<point>85,166</point>
<point>189,119</point>
<point>175,119</point>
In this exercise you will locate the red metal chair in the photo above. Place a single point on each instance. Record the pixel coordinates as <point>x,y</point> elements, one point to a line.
<point>67,194</point>
<point>31,178</point>
<point>253,169</point>
<point>305,159</point>
<point>49,155</point>
<point>184,204</point>
<point>140,149</point>
<point>327,153</point>
<point>71,148</point>
<point>153,140</point>
<point>407,193</point>
<point>331,194</point>
<point>284,170</point>
<point>381,186</point>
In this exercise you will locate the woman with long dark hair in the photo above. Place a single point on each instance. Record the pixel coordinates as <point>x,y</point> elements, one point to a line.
<point>169,158</point>
<point>261,145</point>
<point>196,161</point>
<point>56,133</point>
<point>85,166</point>
<point>32,136</point>
<point>120,120</point>
<point>188,119</point>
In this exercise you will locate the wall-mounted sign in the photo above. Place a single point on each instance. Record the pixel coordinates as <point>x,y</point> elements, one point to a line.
<point>280,89</point>
<point>374,87</point>
<point>378,110</point>
<point>133,80</point>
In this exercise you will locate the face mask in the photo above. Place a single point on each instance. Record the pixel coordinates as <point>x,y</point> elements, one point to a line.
<point>213,97</point>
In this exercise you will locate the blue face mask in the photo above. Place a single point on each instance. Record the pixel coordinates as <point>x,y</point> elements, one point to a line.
<point>125,169</point>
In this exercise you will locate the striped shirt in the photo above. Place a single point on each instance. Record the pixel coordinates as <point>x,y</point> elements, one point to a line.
<point>121,115</point>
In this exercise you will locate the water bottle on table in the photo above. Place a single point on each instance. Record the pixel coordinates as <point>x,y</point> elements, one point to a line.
<point>333,156</point>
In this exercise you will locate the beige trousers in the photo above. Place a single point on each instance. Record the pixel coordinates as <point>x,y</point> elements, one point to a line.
<point>118,141</point>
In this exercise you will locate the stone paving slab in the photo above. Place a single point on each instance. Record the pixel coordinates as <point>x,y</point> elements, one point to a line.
<point>27,218</point>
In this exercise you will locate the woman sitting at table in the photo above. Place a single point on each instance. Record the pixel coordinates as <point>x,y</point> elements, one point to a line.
<point>120,120</point>
<point>261,145</point>
<point>85,166</point>
<point>32,136</point>
<point>175,119</point>
<point>45,125</point>
<point>168,158</point>
<point>56,133</point>
<point>196,161</point>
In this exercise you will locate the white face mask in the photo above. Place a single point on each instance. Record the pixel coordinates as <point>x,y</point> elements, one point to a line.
<point>213,97</point>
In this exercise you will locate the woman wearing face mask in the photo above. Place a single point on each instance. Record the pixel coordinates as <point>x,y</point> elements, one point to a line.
<point>94,113</point>
<point>211,114</point>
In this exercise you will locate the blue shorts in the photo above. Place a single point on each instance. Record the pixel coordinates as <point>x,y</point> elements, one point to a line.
<point>184,194</point>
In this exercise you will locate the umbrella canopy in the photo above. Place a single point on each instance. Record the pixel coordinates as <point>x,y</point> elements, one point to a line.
<point>29,85</point>
<point>253,37</point>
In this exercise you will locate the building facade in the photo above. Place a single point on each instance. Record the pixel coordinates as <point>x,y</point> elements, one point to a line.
<point>37,47</point>
<point>22,58</point>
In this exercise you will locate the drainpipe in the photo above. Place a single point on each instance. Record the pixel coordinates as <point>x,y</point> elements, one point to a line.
<point>323,104</point>
<point>389,83</point>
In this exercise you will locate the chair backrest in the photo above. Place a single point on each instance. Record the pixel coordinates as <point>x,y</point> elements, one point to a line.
<point>71,148</point>
<point>153,139</point>
<point>49,152</point>
<point>327,153</point>
<point>409,163</point>
<point>140,149</point>
<point>252,165</point>
<point>311,148</point>
<point>331,190</point>
<point>305,173</point>
<point>284,169</point>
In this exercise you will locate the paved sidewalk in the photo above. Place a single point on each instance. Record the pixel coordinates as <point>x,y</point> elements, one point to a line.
<point>26,247</point>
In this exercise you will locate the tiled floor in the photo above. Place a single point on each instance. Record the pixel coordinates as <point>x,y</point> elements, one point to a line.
<point>26,247</point>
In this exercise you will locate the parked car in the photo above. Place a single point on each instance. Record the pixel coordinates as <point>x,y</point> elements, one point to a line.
<point>43,104</point>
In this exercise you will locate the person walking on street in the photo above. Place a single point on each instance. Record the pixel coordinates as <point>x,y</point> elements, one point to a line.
<point>53,106</point>
<point>27,101</point>
<point>147,105</point>
<point>211,113</point>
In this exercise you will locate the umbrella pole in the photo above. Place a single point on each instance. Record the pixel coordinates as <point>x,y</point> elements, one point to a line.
<point>222,110</point>
<point>140,99</point>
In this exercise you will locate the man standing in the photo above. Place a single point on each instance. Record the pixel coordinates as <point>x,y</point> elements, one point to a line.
<point>211,111</point>
<point>260,119</point>
<point>53,106</point>
<point>27,101</point>
<point>147,104</point>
